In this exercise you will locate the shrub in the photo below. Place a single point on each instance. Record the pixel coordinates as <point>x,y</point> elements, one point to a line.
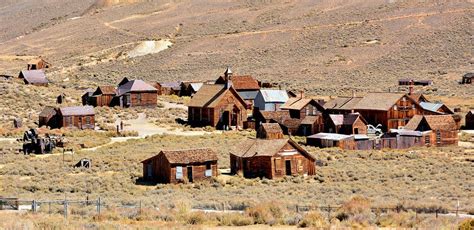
<point>265,213</point>
<point>195,218</point>
<point>466,224</point>
<point>234,219</point>
<point>313,219</point>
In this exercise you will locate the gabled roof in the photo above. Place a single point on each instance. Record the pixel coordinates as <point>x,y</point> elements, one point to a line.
<point>274,95</point>
<point>433,107</point>
<point>342,103</point>
<point>135,86</point>
<point>309,120</point>
<point>378,101</point>
<point>275,115</point>
<point>265,147</point>
<point>349,119</point>
<point>173,85</point>
<point>210,95</point>
<point>47,111</point>
<point>432,122</point>
<point>34,76</point>
<point>337,119</point>
<point>248,95</point>
<point>468,75</point>
<point>298,103</point>
<point>330,136</point>
<point>196,86</point>
<point>105,89</point>
<point>77,110</point>
<point>271,127</point>
<point>187,156</point>
<point>245,82</point>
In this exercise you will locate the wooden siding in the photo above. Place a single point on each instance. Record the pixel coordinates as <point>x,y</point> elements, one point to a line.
<point>470,120</point>
<point>142,99</point>
<point>80,122</point>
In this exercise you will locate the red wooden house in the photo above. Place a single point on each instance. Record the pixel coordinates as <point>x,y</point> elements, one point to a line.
<point>136,93</point>
<point>246,86</point>
<point>81,117</point>
<point>444,128</point>
<point>348,124</point>
<point>177,166</point>
<point>103,96</point>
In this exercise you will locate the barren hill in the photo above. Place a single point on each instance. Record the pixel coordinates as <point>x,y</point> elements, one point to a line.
<point>327,47</point>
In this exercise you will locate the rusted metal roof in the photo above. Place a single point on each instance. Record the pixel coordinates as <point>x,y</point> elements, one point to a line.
<point>187,156</point>
<point>105,89</point>
<point>77,110</point>
<point>210,95</point>
<point>34,76</point>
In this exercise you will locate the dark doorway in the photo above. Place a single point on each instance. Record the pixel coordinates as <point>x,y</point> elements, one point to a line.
<point>356,131</point>
<point>288,167</point>
<point>190,174</point>
<point>226,119</point>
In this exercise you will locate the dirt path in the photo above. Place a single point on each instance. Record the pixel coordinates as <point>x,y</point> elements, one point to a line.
<point>169,105</point>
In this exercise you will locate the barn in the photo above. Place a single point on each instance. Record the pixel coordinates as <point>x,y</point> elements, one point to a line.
<point>272,157</point>
<point>34,77</point>
<point>175,166</point>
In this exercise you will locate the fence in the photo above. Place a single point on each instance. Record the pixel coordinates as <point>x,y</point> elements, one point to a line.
<point>89,207</point>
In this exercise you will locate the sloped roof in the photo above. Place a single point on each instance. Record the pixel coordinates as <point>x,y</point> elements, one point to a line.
<point>245,82</point>
<point>296,103</point>
<point>265,147</point>
<point>291,123</point>
<point>433,107</point>
<point>275,115</point>
<point>274,95</point>
<point>468,75</point>
<point>378,101</point>
<point>135,86</point>
<point>196,86</point>
<point>47,111</point>
<point>210,95</point>
<point>309,120</point>
<point>342,103</point>
<point>349,119</point>
<point>418,97</point>
<point>330,136</point>
<point>77,110</point>
<point>435,122</point>
<point>271,128</point>
<point>34,76</point>
<point>173,85</point>
<point>337,119</point>
<point>105,89</point>
<point>187,156</point>
<point>248,95</point>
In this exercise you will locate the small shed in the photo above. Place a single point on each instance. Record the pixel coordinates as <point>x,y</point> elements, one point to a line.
<point>48,117</point>
<point>270,131</point>
<point>468,78</point>
<point>86,97</point>
<point>328,140</point>
<point>270,99</point>
<point>34,77</point>
<point>181,166</point>
<point>38,63</point>
<point>470,119</point>
<point>168,88</point>
<point>103,96</point>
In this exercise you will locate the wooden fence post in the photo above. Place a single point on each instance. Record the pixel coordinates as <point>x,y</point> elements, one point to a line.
<point>436,213</point>
<point>98,206</point>
<point>65,209</point>
<point>49,207</point>
<point>329,213</point>
<point>33,205</point>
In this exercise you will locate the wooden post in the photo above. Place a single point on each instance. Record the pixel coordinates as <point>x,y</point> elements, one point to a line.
<point>436,213</point>
<point>49,207</point>
<point>33,205</point>
<point>140,208</point>
<point>297,209</point>
<point>65,209</point>
<point>329,213</point>
<point>98,206</point>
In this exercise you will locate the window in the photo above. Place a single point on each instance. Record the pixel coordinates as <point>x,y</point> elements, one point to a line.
<point>300,165</point>
<point>179,172</point>
<point>427,140</point>
<point>208,172</point>
<point>88,120</point>
<point>139,98</point>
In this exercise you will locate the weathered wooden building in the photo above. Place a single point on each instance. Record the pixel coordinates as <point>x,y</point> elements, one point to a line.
<point>188,89</point>
<point>444,128</point>
<point>218,106</point>
<point>38,63</point>
<point>168,88</point>
<point>103,96</point>
<point>343,141</point>
<point>300,107</point>
<point>177,166</point>
<point>352,123</point>
<point>137,93</point>
<point>246,86</point>
<point>467,78</point>
<point>470,119</point>
<point>86,97</point>
<point>81,117</point>
<point>435,108</point>
<point>415,82</point>
<point>34,77</point>
<point>270,131</point>
<point>272,157</point>
<point>270,99</point>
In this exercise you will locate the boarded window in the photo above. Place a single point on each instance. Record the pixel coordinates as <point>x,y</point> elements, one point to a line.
<point>277,164</point>
<point>139,98</point>
<point>179,172</point>
<point>208,172</point>
<point>88,120</point>
<point>300,165</point>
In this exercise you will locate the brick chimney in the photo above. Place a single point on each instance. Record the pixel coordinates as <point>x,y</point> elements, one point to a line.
<point>410,92</point>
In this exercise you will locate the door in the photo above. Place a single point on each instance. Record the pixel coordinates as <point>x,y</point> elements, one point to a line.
<point>149,169</point>
<point>190,174</point>
<point>225,119</point>
<point>288,167</point>
<point>79,123</point>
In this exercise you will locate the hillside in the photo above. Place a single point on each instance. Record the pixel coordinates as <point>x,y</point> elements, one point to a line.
<point>327,47</point>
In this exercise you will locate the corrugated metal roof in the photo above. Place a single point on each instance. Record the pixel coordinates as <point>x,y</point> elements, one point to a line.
<point>35,76</point>
<point>196,86</point>
<point>431,106</point>
<point>248,95</point>
<point>329,136</point>
<point>273,95</point>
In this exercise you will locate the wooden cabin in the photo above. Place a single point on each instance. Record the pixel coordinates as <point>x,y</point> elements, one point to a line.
<point>246,86</point>
<point>103,96</point>
<point>300,107</point>
<point>38,63</point>
<point>168,88</point>
<point>468,78</point>
<point>219,106</point>
<point>177,166</point>
<point>470,119</point>
<point>271,158</point>
<point>270,99</point>
<point>444,127</point>
<point>188,89</point>
<point>81,117</point>
<point>435,108</point>
<point>270,131</point>
<point>34,77</point>
<point>86,97</point>
<point>352,123</point>
<point>136,93</point>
